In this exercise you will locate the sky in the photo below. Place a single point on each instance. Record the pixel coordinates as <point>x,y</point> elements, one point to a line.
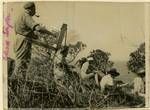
<point>117,28</point>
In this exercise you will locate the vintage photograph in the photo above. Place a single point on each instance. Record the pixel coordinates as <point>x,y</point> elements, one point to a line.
<point>74,54</point>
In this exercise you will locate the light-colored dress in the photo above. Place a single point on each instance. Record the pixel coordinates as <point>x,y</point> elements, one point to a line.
<point>138,85</point>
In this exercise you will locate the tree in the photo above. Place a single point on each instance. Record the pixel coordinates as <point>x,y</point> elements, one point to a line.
<point>101,60</point>
<point>137,59</point>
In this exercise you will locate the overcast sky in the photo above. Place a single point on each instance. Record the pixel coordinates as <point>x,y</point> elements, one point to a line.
<point>117,28</point>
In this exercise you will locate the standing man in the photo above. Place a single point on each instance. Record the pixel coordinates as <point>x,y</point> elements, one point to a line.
<point>25,29</point>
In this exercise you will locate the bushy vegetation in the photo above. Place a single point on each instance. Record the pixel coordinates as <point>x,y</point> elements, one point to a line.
<point>40,90</point>
<point>101,60</point>
<point>137,59</point>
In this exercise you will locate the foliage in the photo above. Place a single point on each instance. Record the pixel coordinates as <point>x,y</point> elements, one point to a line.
<point>40,90</point>
<point>101,60</point>
<point>137,59</point>
<point>41,52</point>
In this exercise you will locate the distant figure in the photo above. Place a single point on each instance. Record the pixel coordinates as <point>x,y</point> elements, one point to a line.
<point>25,29</point>
<point>78,65</point>
<point>98,76</point>
<point>84,68</point>
<point>139,86</point>
<point>137,95</point>
<point>107,82</point>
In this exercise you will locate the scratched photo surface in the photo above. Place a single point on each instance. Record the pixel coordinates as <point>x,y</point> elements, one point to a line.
<point>73,55</point>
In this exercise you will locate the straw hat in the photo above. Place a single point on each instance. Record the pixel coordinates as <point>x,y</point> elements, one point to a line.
<point>141,71</point>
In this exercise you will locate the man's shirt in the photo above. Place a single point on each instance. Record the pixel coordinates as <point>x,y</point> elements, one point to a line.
<point>106,80</point>
<point>24,24</point>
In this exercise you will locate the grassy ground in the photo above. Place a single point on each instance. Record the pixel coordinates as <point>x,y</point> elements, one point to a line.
<point>41,91</point>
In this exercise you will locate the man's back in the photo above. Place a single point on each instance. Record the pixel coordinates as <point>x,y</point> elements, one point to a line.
<point>106,80</point>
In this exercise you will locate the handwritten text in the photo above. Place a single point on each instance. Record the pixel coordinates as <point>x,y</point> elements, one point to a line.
<point>7,28</point>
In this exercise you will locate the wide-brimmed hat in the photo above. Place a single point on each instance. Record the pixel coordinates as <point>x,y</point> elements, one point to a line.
<point>113,72</point>
<point>141,71</point>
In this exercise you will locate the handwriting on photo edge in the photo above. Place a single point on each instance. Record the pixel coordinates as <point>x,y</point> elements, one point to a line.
<point>7,29</point>
<point>6,49</point>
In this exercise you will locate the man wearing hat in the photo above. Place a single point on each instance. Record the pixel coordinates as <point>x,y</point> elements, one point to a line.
<point>138,93</point>
<point>107,81</point>
<point>25,28</point>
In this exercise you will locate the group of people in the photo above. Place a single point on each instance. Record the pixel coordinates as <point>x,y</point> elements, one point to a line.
<point>106,79</point>
<point>26,27</point>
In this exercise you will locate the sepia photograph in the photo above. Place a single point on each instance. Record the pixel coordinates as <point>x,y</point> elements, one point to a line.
<point>71,54</point>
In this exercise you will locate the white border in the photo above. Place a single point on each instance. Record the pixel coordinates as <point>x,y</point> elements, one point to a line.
<point>81,0</point>
<point>1,75</point>
<point>147,39</point>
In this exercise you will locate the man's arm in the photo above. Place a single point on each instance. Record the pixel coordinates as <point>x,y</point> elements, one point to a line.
<point>86,76</point>
<point>96,79</point>
<point>29,22</point>
<point>42,29</point>
<point>35,26</point>
<point>90,75</point>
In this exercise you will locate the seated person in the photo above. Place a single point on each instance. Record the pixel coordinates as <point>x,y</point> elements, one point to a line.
<point>84,68</point>
<point>139,86</point>
<point>98,76</point>
<point>137,93</point>
<point>107,82</point>
<point>78,65</point>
